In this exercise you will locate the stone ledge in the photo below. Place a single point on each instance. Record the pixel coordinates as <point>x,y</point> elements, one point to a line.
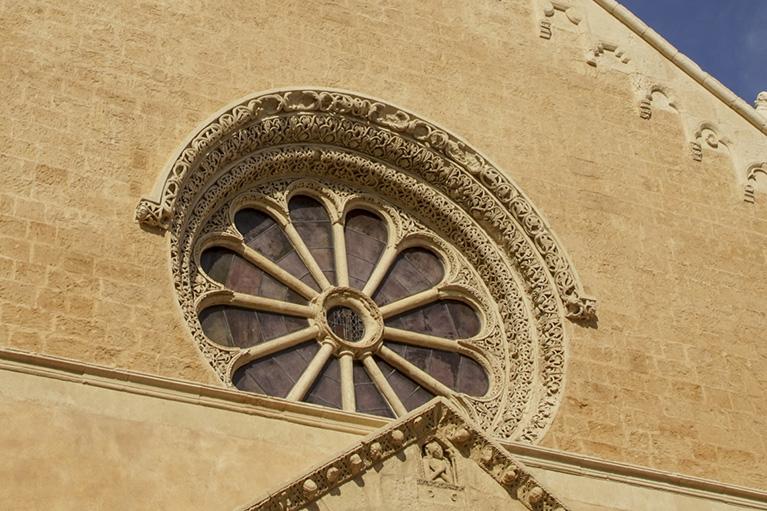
<point>582,465</point>
<point>184,391</point>
<point>301,413</point>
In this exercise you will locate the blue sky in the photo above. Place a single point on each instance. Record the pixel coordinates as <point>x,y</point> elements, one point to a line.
<point>727,38</point>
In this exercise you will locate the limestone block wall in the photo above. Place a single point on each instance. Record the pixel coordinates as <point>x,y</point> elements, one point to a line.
<point>98,95</point>
<point>90,441</point>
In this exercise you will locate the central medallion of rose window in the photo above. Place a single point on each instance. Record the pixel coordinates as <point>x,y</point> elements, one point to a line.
<point>345,323</point>
<point>333,303</point>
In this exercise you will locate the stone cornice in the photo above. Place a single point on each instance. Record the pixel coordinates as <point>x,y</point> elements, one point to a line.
<point>582,465</point>
<point>684,63</point>
<point>63,369</point>
<point>160,387</point>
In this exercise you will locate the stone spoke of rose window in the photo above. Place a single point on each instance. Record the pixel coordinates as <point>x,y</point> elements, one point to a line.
<point>311,373</point>
<point>365,237</point>
<point>348,398</point>
<point>414,372</point>
<point>411,302</point>
<point>267,244</point>
<point>380,271</point>
<point>310,232</point>
<point>383,386</point>
<point>420,340</point>
<point>256,303</point>
<point>277,272</point>
<point>237,274</point>
<point>276,374</point>
<point>226,325</point>
<point>415,272</point>
<point>368,399</point>
<point>279,344</point>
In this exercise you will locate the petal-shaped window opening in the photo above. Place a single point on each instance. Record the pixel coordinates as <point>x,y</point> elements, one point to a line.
<point>312,223</point>
<point>450,319</point>
<point>457,371</point>
<point>366,237</point>
<point>326,390</point>
<point>277,374</point>
<point>235,326</point>
<point>410,393</point>
<point>237,274</point>
<point>414,270</point>
<point>368,399</point>
<point>264,235</point>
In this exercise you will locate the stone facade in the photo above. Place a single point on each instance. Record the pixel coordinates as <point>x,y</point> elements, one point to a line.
<point>637,161</point>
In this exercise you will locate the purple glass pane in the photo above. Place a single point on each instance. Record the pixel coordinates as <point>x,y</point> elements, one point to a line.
<point>450,319</point>
<point>312,222</point>
<point>235,326</point>
<point>410,393</point>
<point>326,390</point>
<point>369,399</point>
<point>414,270</point>
<point>237,274</point>
<point>275,375</point>
<point>366,237</point>
<point>264,235</point>
<point>472,379</point>
<point>457,371</point>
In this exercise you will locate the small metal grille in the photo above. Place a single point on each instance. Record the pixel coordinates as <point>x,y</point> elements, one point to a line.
<point>346,324</point>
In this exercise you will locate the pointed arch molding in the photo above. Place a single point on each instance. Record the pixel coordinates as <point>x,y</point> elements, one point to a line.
<point>414,164</point>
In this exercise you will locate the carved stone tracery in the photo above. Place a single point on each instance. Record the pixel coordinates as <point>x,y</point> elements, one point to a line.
<point>366,148</point>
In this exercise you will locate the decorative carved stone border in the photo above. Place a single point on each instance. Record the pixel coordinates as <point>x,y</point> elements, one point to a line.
<point>438,420</point>
<point>380,148</point>
<point>477,172</point>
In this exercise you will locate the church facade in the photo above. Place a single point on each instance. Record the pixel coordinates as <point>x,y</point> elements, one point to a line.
<point>377,255</point>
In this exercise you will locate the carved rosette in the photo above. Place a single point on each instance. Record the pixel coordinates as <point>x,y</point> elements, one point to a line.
<point>425,177</point>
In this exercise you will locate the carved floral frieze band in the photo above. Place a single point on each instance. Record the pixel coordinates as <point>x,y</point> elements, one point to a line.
<point>159,212</point>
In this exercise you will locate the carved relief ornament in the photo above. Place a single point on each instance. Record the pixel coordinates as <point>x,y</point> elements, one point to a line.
<point>381,150</point>
<point>433,427</point>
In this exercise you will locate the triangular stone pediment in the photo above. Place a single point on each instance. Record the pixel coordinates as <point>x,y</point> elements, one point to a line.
<point>433,459</point>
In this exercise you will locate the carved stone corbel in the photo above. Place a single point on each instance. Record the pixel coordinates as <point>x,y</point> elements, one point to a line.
<point>755,172</point>
<point>550,8</point>
<point>594,54</point>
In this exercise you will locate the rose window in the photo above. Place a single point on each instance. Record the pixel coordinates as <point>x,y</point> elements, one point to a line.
<point>340,300</point>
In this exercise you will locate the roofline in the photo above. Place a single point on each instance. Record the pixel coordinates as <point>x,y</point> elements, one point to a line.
<point>684,63</point>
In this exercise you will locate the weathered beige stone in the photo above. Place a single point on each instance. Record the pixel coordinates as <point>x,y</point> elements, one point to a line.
<point>638,161</point>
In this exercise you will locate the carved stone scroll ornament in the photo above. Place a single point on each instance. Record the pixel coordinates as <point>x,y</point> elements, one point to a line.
<point>708,136</point>
<point>594,54</point>
<point>380,150</point>
<point>755,172</point>
<point>657,96</point>
<point>550,8</point>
